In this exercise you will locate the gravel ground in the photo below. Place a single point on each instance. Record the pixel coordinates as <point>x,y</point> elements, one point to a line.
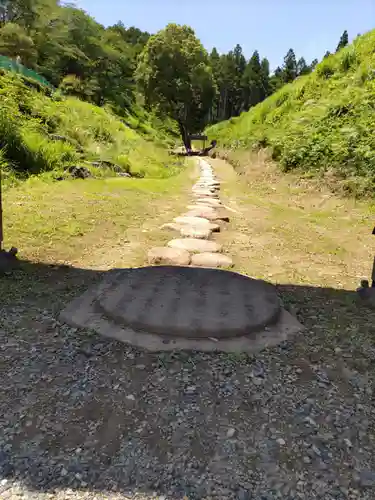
<point>84,417</point>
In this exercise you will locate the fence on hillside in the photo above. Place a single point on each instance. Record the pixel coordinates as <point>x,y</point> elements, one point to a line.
<point>11,65</point>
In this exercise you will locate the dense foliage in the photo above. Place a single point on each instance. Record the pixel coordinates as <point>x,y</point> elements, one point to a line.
<point>174,75</point>
<point>44,133</point>
<point>76,53</point>
<point>120,79</point>
<point>72,50</point>
<point>322,123</point>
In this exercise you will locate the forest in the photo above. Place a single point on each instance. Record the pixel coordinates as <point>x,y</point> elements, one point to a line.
<point>170,72</point>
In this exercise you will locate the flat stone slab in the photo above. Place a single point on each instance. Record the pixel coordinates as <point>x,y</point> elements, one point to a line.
<point>198,222</point>
<point>195,245</point>
<point>209,201</point>
<point>206,214</point>
<point>203,210</point>
<point>168,256</point>
<point>209,259</point>
<point>172,226</point>
<point>202,233</point>
<point>204,190</point>
<point>202,206</point>
<point>197,303</point>
<point>213,196</point>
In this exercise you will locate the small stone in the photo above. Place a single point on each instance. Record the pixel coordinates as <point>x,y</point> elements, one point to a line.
<point>63,472</point>
<point>307,460</point>
<point>169,256</point>
<point>130,397</point>
<point>348,443</point>
<point>367,478</point>
<point>244,495</point>
<point>3,482</point>
<point>281,441</point>
<point>231,433</point>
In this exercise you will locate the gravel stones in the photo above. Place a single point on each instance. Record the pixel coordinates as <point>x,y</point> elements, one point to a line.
<point>168,256</point>
<point>214,260</point>
<point>195,245</point>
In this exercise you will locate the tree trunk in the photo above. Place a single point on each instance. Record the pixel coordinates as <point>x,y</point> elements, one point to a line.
<point>185,136</point>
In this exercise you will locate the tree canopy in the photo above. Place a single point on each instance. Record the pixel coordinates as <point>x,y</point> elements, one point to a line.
<point>175,76</point>
<point>174,73</point>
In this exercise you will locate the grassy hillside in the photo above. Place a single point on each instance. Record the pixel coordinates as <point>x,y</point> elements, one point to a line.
<point>43,132</point>
<point>322,124</point>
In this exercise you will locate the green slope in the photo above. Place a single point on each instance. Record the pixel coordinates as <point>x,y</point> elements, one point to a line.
<point>323,123</point>
<point>42,131</point>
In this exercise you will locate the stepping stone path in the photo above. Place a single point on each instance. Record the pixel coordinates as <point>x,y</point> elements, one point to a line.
<point>180,301</point>
<point>196,227</point>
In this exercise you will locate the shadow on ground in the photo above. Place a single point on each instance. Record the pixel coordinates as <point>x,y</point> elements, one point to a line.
<point>86,413</point>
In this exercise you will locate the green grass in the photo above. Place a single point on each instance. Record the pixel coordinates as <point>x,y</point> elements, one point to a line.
<point>40,133</point>
<point>93,222</point>
<point>322,124</point>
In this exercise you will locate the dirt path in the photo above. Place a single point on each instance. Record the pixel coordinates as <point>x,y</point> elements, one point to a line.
<point>86,418</point>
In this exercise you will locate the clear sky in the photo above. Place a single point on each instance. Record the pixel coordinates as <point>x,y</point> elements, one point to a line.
<point>310,27</point>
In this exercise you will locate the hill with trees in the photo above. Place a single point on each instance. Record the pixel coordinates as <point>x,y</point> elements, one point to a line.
<point>156,84</point>
<point>321,123</point>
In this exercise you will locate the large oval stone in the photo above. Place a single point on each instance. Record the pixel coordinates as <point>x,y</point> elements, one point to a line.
<point>214,260</point>
<point>207,214</point>
<point>195,245</point>
<point>199,222</point>
<point>212,202</point>
<point>202,233</point>
<point>189,302</point>
<point>167,256</point>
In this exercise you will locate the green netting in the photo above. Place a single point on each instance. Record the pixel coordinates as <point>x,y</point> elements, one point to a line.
<point>9,64</point>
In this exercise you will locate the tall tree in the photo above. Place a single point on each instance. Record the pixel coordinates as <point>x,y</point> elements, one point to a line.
<point>24,12</point>
<point>15,43</point>
<point>276,80</point>
<point>252,82</point>
<point>265,77</point>
<point>302,67</point>
<point>174,74</point>
<point>290,67</point>
<point>314,62</point>
<point>344,40</point>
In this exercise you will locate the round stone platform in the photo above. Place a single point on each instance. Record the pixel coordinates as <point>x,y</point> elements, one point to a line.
<point>186,302</point>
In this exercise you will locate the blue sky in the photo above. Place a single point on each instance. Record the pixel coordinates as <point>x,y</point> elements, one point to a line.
<point>310,27</point>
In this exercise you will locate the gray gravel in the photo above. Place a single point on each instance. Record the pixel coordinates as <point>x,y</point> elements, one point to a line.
<point>83,417</point>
